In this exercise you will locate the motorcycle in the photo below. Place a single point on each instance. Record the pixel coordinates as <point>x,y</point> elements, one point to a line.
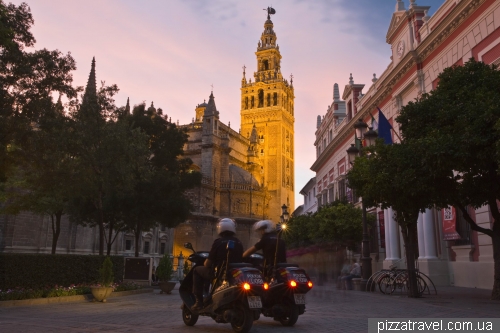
<point>234,296</point>
<point>286,288</point>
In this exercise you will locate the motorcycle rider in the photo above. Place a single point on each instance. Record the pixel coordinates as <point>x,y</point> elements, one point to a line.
<point>267,244</point>
<point>226,229</point>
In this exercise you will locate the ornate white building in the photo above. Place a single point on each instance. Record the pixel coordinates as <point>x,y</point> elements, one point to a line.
<point>422,47</point>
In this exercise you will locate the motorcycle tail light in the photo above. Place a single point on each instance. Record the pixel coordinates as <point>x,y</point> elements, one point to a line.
<point>293,284</point>
<point>246,286</point>
<point>266,286</point>
<point>310,284</point>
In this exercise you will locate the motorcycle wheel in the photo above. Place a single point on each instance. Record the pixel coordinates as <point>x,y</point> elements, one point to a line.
<point>244,319</point>
<point>188,317</point>
<point>292,317</point>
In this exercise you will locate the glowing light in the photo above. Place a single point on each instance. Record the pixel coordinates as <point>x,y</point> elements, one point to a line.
<point>266,286</point>
<point>283,226</point>
<point>310,284</point>
<point>246,286</point>
<point>293,284</point>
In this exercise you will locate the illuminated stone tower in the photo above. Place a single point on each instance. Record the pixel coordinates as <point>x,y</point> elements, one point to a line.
<point>267,104</point>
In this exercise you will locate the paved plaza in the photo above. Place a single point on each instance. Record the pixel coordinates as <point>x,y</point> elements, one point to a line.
<point>328,310</point>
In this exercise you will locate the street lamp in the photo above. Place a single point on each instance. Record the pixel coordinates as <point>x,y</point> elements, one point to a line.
<point>360,127</point>
<point>284,214</point>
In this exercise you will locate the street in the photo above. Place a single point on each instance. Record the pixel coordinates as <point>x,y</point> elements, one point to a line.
<point>328,310</point>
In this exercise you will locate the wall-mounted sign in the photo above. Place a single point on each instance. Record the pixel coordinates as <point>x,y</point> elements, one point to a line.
<point>449,223</point>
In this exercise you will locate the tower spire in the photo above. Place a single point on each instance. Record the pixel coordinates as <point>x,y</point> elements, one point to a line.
<point>127,107</point>
<point>89,99</point>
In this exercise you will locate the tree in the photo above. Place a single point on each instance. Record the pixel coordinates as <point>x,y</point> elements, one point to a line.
<point>391,176</point>
<point>109,151</point>
<point>158,196</point>
<point>457,130</point>
<point>42,180</point>
<point>338,223</point>
<point>27,79</point>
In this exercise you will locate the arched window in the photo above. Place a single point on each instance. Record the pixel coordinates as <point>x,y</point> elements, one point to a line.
<point>275,99</point>
<point>261,98</point>
<point>252,102</point>
<point>268,99</point>
<point>246,103</point>
<point>265,65</point>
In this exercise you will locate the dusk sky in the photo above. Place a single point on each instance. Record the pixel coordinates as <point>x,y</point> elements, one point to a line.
<point>171,52</point>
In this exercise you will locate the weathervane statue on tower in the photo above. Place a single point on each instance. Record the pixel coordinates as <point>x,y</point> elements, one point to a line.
<point>270,11</point>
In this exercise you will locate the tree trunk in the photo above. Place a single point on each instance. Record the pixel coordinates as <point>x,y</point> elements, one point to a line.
<point>137,237</point>
<point>101,225</point>
<point>495,294</point>
<point>109,241</point>
<point>56,229</point>
<point>410,261</point>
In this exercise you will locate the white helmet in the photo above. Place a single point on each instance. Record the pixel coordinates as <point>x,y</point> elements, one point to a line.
<point>266,225</point>
<point>226,224</point>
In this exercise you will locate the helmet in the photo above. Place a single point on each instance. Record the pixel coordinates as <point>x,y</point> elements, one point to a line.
<point>265,225</point>
<point>226,224</point>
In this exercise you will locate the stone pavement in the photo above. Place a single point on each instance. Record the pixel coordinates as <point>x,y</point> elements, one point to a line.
<point>328,310</point>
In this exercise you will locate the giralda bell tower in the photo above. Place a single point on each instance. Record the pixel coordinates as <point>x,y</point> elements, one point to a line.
<point>267,103</point>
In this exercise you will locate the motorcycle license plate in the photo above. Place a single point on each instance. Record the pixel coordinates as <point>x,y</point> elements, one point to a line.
<point>254,302</point>
<point>300,298</point>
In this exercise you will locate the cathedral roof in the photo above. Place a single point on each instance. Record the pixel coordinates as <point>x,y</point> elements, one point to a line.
<point>242,176</point>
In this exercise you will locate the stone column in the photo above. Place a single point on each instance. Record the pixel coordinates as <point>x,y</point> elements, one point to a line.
<point>388,254</point>
<point>420,233</point>
<point>429,236</point>
<point>394,237</point>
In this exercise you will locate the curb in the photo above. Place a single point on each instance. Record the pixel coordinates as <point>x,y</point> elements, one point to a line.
<point>66,299</point>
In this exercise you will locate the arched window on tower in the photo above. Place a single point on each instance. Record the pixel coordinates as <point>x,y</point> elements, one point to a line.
<point>268,99</point>
<point>252,102</point>
<point>265,65</point>
<point>275,99</point>
<point>261,98</point>
<point>246,103</point>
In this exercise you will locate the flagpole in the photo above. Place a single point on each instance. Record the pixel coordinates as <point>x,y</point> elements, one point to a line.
<point>397,135</point>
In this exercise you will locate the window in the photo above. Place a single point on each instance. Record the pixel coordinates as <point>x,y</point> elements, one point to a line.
<point>128,245</point>
<point>162,247</point>
<point>330,194</point>
<point>146,247</point>
<point>261,98</point>
<point>341,189</point>
<point>163,228</point>
<point>275,99</point>
<point>330,136</point>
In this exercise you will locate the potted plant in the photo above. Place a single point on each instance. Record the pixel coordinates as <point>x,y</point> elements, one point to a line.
<point>104,285</point>
<point>164,273</point>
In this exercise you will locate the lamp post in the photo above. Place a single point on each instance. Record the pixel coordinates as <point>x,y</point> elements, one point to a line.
<point>284,214</point>
<point>353,152</point>
<point>250,164</point>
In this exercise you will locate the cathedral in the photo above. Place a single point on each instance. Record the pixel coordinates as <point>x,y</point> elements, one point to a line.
<point>248,174</point>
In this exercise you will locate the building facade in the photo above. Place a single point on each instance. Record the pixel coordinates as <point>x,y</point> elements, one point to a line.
<point>422,47</point>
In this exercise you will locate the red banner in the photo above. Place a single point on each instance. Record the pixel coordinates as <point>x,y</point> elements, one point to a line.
<point>449,223</point>
<point>381,223</point>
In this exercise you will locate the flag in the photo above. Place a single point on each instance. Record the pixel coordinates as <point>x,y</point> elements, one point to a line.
<point>384,128</point>
<point>374,123</point>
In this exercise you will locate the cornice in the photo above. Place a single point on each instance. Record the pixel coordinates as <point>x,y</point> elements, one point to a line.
<point>447,26</point>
